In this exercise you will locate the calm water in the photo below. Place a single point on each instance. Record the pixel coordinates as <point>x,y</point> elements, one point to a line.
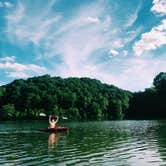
<point>87,143</point>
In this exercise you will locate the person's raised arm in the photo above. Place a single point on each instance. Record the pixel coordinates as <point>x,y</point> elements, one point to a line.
<point>50,119</point>
<point>57,119</point>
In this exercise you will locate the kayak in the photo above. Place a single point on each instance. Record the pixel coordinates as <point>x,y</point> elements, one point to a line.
<point>56,129</point>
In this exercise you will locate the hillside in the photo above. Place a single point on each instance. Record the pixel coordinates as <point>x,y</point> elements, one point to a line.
<point>80,99</point>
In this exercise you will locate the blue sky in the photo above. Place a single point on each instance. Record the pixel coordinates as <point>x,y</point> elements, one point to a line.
<point>118,42</point>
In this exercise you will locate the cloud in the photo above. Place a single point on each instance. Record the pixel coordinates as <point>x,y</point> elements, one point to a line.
<point>15,69</point>
<point>125,52</point>
<point>133,17</point>
<point>74,39</point>
<point>114,52</point>
<point>141,72</point>
<point>159,7</point>
<point>17,74</point>
<point>8,58</point>
<point>25,27</point>
<point>1,4</point>
<point>151,40</point>
<point>78,39</point>
<point>81,34</point>
<point>157,36</point>
<point>6,4</point>
<point>93,19</point>
<point>134,73</point>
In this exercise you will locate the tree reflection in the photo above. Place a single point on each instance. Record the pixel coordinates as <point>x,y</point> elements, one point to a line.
<point>161,140</point>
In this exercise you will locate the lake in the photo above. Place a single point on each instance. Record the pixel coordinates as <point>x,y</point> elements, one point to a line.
<point>87,143</point>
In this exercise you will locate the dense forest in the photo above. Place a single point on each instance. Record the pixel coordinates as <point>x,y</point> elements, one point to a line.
<point>80,99</point>
<point>150,104</point>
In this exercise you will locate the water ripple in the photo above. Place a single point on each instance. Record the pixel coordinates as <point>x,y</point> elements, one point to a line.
<point>92,143</point>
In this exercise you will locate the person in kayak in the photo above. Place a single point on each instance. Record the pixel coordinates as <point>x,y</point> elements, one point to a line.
<point>53,121</point>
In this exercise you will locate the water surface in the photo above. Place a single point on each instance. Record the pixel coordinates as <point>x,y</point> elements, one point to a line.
<point>87,143</point>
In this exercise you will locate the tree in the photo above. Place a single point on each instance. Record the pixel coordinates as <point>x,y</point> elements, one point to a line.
<point>8,111</point>
<point>116,112</point>
<point>77,98</point>
<point>160,81</point>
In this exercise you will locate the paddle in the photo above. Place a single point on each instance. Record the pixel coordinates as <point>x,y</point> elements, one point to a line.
<point>44,115</point>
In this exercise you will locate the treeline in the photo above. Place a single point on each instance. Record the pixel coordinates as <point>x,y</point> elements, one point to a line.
<point>150,104</point>
<point>80,99</point>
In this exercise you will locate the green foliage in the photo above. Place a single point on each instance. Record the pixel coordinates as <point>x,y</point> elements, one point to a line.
<point>78,99</point>
<point>160,81</point>
<point>73,113</point>
<point>81,99</point>
<point>150,104</point>
<point>117,107</point>
<point>8,111</point>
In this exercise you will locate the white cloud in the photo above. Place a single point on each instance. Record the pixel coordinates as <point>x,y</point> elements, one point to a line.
<point>125,52</point>
<point>157,36</point>
<point>135,73</point>
<point>76,40</point>
<point>12,66</point>
<point>93,19</point>
<point>8,58</point>
<point>17,74</point>
<point>141,72</point>
<point>36,68</point>
<point>133,17</point>
<point>131,20</point>
<point>8,4</point>
<point>1,4</point>
<point>159,7</point>
<point>151,40</point>
<point>83,33</point>
<point>14,69</point>
<point>114,52</point>
<point>25,27</point>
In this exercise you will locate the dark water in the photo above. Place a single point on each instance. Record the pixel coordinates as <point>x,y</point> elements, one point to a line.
<point>87,143</point>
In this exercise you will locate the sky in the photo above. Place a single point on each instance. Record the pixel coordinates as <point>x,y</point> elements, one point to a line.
<point>115,41</point>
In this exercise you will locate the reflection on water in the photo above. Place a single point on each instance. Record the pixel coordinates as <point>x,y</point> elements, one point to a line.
<point>52,140</point>
<point>88,143</point>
